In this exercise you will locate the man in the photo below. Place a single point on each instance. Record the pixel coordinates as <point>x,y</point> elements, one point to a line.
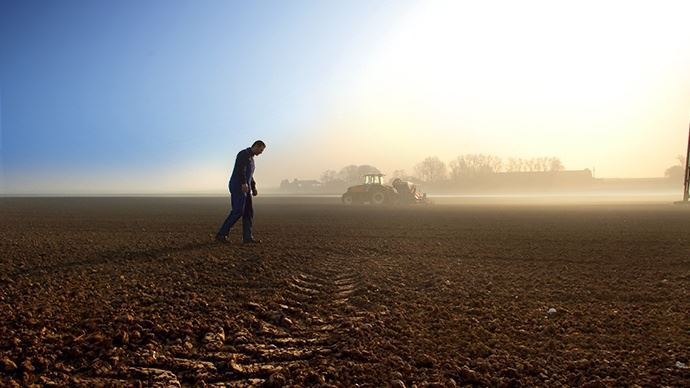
<point>241,182</point>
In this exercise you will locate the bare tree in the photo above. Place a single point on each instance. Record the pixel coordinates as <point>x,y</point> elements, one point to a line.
<point>555,164</point>
<point>540,164</point>
<point>473,165</point>
<point>515,165</point>
<point>349,174</point>
<point>495,163</point>
<point>431,169</point>
<point>458,168</point>
<point>328,176</point>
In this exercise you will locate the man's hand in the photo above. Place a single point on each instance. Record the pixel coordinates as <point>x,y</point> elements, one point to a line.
<point>245,188</point>
<point>255,192</point>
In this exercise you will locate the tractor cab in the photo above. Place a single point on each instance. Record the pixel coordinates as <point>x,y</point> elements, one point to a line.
<point>373,179</point>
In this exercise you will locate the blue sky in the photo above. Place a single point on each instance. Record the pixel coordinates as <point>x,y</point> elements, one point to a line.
<point>159,96</point>
<point>95,87</point>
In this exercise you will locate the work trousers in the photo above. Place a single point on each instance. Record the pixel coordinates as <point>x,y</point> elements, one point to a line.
<point>241,207</point>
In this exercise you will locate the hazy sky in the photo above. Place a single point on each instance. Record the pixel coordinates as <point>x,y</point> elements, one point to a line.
<point>158,96</point>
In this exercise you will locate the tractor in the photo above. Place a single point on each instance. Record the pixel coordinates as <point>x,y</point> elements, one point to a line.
<point>375,192</point>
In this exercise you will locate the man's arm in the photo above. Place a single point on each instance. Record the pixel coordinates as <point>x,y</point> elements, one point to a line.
<point>254,191</point>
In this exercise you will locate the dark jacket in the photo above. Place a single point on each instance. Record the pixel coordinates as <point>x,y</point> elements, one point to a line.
<point>243,171</point>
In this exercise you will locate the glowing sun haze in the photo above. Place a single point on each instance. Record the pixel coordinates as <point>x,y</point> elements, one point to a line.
<point>94,99</point>
<point>599,84</point>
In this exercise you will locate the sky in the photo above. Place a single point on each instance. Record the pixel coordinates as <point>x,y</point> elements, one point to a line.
<point>159,96</point>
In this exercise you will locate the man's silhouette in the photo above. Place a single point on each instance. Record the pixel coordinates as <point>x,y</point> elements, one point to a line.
<point>241,182</point>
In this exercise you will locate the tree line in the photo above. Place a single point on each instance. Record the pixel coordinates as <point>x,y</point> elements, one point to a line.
<point>466,168</point>
<point>677,171</point>
<point>432,169</point>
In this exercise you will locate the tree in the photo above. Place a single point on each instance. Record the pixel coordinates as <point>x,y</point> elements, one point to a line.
<point>398,174</point>
<point>328,176</point>
<point>349,174</point>
<point>402,175</point>
<point>353,173</point>
<point>431,169</point>
<point>540,164</point>
<point>676,172</point>
<point>458,168</point>
<point>555,164</point>
<point>367,169</point>
<point>473,165</point>
<point>515,165</point>
<point>532,165</point>
<point>494,163</point>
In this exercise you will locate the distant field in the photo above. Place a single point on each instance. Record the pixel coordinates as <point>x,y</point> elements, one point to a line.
<point>128,291</point>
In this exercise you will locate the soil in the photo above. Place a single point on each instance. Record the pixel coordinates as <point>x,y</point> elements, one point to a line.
<point>135,292</point>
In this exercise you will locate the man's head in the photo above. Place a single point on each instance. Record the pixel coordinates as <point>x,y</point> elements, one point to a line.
<point>258,147</point>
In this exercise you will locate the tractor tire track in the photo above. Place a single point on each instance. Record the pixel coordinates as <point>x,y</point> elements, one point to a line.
<point>301,323</point>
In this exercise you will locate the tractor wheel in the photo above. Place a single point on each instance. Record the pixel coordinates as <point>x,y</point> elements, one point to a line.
<point>378,198</point>
<point>347,199</point>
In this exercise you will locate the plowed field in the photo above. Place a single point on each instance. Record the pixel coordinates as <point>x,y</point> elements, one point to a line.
<point>135,292</point>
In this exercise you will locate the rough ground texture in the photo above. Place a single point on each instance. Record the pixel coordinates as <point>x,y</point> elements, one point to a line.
<point>134,292</point>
